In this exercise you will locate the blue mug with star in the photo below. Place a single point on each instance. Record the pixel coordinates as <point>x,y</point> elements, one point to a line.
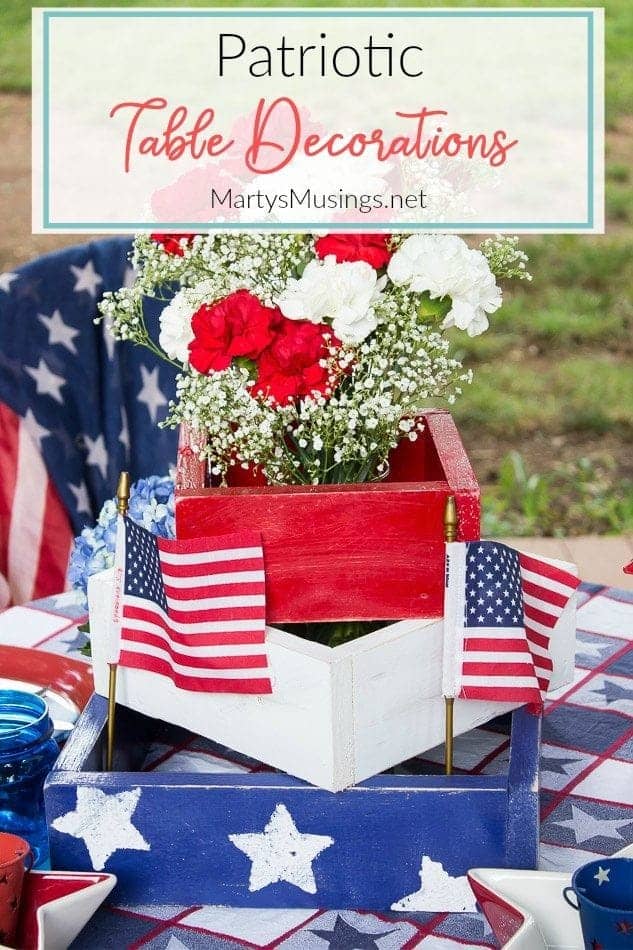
<point>603,891</point>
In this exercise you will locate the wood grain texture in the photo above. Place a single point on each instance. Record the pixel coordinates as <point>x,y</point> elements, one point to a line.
<point>523,788</point>
<point>380,829</point>
<point>335,716</point>
<point>352,552</point>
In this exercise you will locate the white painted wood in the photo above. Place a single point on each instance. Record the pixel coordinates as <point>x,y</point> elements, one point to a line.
<point>292,725</point>
<point>336,716</point>
<point>398,702</point>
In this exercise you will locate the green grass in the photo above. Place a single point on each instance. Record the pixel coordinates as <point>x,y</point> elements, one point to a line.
<point>528,503</point>
<point>619,204</point>
<point>554,377</point>
<point>580,300</point>
<point>524,397</point>
<point>559,357</point>
<point>15,43</point>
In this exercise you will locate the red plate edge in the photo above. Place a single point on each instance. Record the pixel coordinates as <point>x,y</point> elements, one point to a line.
<point>70,678</point>
<point>45,887</point>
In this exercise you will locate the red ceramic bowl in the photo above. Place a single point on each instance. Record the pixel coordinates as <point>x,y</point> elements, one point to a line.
<point>68,678</point>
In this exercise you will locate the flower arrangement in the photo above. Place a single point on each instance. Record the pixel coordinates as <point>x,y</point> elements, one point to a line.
<point>151,505</point>
<point>309,357</point>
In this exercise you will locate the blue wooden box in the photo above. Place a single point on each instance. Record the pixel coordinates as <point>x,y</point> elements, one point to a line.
<point>268,840</point>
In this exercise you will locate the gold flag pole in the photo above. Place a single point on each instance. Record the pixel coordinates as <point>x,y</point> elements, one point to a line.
<point>450,534</point>
<point>123,500</point>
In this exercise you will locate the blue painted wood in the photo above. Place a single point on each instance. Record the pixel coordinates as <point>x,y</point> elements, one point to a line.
<point>523,786</point>
<point>381,829</point>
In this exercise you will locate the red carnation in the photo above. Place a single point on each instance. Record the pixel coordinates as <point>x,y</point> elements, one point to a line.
<point>371,248</point>
<point>290,366</point>
<point>171,242</point>
<point>238,325</point>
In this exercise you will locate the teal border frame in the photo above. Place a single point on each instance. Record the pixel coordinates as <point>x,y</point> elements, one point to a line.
<point>567,226</point>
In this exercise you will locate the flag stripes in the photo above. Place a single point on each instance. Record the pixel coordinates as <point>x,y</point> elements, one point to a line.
<point>501,609</point>
<point>218,683</point>
<point>220,580</point>
<point>195,611</point>
<point>194,555</point>
<point>499,693</point>
<point>202,661</point>
<point>546,592</point>
<point>228,632</point>
<point>35,532</point>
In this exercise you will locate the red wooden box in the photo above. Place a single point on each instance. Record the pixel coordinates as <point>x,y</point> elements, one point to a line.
<point>351,552</point>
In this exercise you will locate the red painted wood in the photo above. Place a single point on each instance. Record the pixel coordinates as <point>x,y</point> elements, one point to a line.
<point>443,434</point>
<point>352,552</point>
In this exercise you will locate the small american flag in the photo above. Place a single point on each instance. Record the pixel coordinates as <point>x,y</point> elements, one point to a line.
<point>193,610</point>
<point>501,608</point>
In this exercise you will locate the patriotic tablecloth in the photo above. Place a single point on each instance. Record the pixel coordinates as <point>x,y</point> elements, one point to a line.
<point>586,798</point>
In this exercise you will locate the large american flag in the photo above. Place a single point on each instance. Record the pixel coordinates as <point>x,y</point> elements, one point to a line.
<point>75,410</point>
<point>194,611</point>
<point>501,608</point>
<point>35,531</point>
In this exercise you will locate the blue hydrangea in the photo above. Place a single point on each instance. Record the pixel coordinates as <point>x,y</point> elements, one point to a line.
<point>151,505</point>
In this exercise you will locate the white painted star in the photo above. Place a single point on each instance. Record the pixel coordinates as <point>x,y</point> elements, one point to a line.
<point>86,278</point>
<point>82,500</point>
<point>47,383</point>
<point>586,827</point>
<point>281,853</point>
<point>97,454</point>
<point>439,891</point>
<point>58,331</point>
<point>602,877</point>
<point>104,823</point>
<point>34,429</point>
<point>6,280</point>
<point>150,393</point>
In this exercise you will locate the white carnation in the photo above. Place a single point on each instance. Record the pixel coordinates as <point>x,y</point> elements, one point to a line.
<point>175,320</point>
<point>343,294</point>
<point>445,266</point>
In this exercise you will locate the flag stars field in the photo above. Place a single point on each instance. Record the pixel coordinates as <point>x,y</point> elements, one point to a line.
<point>502,623</point>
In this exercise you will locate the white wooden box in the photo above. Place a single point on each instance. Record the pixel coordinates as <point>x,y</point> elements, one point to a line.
<point>336,716</point>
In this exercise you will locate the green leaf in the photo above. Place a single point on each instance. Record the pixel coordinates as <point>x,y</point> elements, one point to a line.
<point>428,309</point>
<point>244,363</point>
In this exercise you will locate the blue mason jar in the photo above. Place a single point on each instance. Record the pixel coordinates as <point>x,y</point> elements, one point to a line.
<point>27,752</point>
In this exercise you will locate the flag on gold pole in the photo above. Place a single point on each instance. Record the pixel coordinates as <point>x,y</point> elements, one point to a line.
<point>450,535</point>
<point>113,645</point>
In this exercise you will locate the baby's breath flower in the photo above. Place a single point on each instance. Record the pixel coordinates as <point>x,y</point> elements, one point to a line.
<point>505,257</point>
<point>377,380</point>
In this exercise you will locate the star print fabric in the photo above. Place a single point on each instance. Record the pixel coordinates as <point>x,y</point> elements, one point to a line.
<point>586,810</point>
<point>91,407</point>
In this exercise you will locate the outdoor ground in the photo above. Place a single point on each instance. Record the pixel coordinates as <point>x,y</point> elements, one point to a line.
<point>548,422</point>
